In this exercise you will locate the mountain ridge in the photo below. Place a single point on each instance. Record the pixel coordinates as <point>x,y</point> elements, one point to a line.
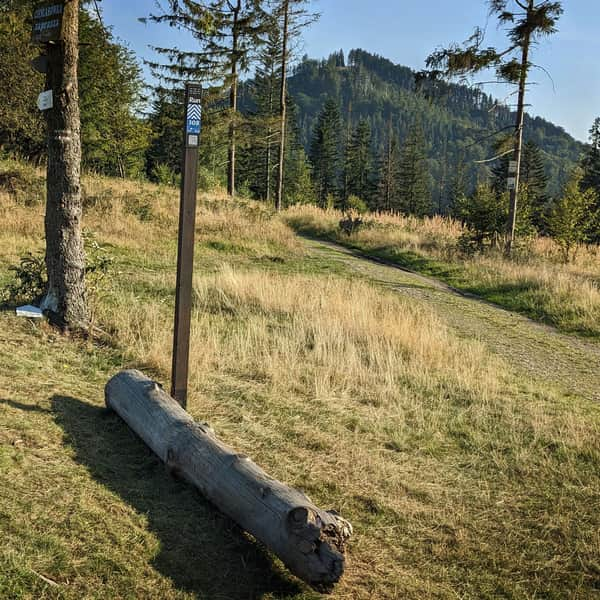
<point>459,122</point>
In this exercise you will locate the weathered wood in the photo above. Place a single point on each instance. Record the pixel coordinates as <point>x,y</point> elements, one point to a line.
<point>309,541</point>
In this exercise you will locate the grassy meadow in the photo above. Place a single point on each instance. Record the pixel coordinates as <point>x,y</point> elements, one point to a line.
<point>461,479</point>
<point>535,282</point>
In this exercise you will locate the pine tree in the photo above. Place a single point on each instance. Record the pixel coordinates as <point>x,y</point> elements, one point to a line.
<point>568,218</point>
<point>458,190</point>
<point>165,119</point>
<point>21,123</point>
<point>591,180</point>
<point>534,181</point>
<point>359,164</point>
<point>388,189</point>
<point>261,156</point>
<point>229,32</point>
<point>591,160</point>
<point>484,213</point>
<point>413,177</point>
<point>325,152</point>
<point>528,21</point>
<point>114,138</point>
<point>297,184</point>
<point>292,17</point>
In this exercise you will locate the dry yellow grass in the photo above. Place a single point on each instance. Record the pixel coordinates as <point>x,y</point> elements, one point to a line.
<point>461,479</point>
<point>536,282</point>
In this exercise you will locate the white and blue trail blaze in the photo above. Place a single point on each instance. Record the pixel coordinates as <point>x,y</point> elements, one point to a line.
<point>194,118</point>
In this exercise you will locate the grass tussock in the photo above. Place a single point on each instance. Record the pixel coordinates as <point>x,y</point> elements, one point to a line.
<point>536,282</point>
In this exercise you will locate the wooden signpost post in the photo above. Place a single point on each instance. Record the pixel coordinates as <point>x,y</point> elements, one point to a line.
<point>185,250</point>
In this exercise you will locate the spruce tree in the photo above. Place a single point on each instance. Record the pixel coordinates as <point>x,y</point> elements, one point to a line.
<point>325,152</point>
<point>413,176</point>
<point>528,21</point>
<point>359,164</point>
<point>458,190</point>
<point>261,157</point>
<point>569,217</point>
<point>591,180</point>
<point>292,17</point>
<point>388,189</point>
<point>229,33</point>
<point>164,152</point>
<point>534,181</point>
<point>591,160</point>
<point>297,183</point>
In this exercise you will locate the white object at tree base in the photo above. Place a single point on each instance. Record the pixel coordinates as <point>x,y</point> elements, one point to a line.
<point>310,541</point>
<point>32,312</point>
<point>45,100</point>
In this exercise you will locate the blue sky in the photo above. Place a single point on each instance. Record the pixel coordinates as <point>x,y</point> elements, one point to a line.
<point>406,31</point>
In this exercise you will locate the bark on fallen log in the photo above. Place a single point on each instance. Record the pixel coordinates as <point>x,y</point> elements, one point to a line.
<point>308,540</point>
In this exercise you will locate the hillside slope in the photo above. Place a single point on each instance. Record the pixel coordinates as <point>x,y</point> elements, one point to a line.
<point>457,120</point>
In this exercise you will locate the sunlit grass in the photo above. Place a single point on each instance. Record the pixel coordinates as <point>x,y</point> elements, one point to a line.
<point>535,282</point>
<point>460,478</point>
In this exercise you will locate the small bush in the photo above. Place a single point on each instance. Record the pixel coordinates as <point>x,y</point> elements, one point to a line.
<point>30,277</point>
<point>30,280</point>
<point>164,175</point>
<point>141,208</point>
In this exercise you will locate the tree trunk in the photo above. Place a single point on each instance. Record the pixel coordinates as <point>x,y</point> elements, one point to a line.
<point>310,541</point>
<point>233,97</point>
<point>283,105</point>
<point>514,194</point>
<point>65,260</point>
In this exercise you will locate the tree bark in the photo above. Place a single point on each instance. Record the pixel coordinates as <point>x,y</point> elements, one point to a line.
<point>233,97</point>
<point>65,300</point>
<point>309,541</point>
<point>514,194</point>
<point>283,105</point>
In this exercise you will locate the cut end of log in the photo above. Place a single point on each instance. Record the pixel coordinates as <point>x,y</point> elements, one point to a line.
<point>321,537</point>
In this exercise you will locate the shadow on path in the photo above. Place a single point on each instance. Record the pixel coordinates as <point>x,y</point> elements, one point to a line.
<point>202,551</point>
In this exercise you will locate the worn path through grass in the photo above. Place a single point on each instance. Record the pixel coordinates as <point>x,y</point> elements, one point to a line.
<point>568,362</point>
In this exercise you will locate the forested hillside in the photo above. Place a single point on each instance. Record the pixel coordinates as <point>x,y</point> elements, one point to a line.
<point>456,119</point>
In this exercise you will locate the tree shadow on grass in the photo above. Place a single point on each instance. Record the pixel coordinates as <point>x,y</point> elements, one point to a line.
<point>202,551</point>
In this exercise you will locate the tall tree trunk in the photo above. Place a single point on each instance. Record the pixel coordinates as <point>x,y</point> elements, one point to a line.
<point>389,174</point>
<point>65,259</point>
<point>272,82</point>
<point>283,105</point>
<point>514,194</point>
<point>233,97</point>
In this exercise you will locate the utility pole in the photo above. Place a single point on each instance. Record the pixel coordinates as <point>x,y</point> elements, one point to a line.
<point>56,26</point>
<point>185,248</point>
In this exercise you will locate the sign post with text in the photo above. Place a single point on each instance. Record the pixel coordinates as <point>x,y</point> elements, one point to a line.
<point>185,249</point>
<point>47,23</point>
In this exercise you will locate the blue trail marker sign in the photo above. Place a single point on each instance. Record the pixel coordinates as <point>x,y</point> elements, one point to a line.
<point>185,249</point>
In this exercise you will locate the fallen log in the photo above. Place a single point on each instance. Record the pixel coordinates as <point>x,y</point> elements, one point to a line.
<point>309,540</point>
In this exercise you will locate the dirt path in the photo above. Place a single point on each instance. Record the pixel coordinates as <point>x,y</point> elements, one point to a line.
<point>567,362</point>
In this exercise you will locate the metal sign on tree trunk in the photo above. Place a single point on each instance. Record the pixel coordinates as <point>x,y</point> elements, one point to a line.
<point>47,22</point>
<point>185,250</point>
